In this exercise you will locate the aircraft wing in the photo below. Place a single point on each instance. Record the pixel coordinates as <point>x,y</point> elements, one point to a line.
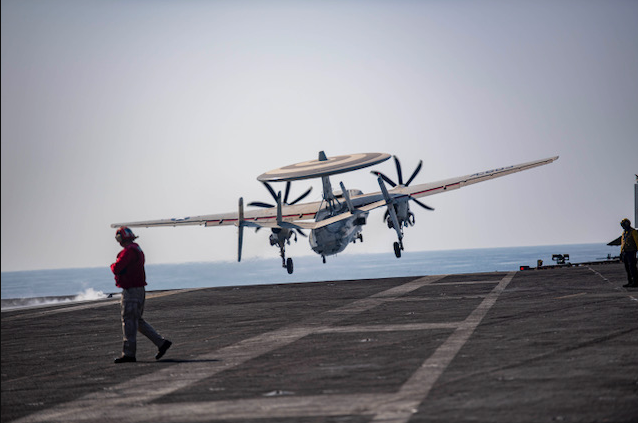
<point>431,188</point>
<point>367,202</point>
<point>257,218</point>
<point>301,216</point>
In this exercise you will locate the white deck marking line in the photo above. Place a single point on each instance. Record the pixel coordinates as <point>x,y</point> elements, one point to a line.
<point>580,294</point>
<point>466,283</point>
<point>388,328</point>
<point>406,402</point>
<point>144,389</point>
<point>253,408</point>
<point>439,298</point>
<point>617,288</point>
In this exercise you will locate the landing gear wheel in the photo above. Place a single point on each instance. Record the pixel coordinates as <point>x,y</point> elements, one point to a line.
<point>289,266</point>
<point>324,259</point>
<point>397,250</point>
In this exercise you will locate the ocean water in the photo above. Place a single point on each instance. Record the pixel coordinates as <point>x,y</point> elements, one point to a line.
<point>94,283</point>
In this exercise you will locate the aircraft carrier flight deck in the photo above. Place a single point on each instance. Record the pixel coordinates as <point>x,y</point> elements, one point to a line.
<point>554,345</point>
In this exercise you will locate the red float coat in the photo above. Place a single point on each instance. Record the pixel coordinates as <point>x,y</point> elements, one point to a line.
<point>129,267</point>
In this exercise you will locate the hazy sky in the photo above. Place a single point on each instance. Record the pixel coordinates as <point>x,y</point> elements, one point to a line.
<point>133,110</point>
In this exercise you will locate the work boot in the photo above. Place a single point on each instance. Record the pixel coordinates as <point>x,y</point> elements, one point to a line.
<point>162,349</point>
<point>125,359</point>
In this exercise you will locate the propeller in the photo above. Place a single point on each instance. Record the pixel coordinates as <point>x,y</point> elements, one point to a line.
<point>397,163</point>
<point>393,184</point>
<point>425,206</point>
<point>284,201</point>
<point>274,196</point>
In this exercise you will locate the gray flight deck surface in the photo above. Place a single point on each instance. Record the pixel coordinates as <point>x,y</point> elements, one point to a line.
<point>532,346</point>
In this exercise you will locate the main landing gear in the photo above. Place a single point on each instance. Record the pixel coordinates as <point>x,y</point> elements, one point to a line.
<point>397,249</point>
<point>280,237</point>
<point>286,263</point>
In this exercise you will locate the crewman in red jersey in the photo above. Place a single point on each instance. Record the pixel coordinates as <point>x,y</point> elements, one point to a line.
<point>131,277</point>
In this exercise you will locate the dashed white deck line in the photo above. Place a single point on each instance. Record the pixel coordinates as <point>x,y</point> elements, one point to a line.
<point>617,288</point>
<point>388,328</point>
<point>130,400</point>
<point>492,282</point>
<point>439,298</point>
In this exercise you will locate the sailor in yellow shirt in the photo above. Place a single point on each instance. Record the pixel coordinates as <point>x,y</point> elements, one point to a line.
<point>628,247</point>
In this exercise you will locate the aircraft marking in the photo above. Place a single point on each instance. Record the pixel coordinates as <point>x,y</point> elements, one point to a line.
<point>487,172</point>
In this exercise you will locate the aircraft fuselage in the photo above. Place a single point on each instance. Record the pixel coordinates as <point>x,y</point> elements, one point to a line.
<point>334,238</point>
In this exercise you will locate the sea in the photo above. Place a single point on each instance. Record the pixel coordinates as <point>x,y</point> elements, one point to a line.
<point>41,287</point>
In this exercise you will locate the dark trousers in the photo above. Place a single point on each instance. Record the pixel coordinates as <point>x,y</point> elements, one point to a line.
<point>630,266</point>
<point>132,307</point>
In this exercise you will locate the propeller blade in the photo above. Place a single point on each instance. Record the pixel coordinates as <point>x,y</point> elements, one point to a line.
<point>418,168</point>
<point>260,204</point>
<point>279,218</point>
<point>398,164</point>
<point>385,178</point>
<point>385,215</point>
<point>287,192</point>
<point>421,204</point>
<point>302,233</point>
<point>240,228</point>
<point>389,201</point>
<point>272,191</point>
<point>301,197</point>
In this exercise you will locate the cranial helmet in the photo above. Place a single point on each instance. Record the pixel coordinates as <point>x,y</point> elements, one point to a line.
<point>124,234</point>
<point>625,222</point>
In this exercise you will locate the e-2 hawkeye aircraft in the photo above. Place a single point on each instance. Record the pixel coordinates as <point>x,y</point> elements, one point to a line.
<point>337,220</point>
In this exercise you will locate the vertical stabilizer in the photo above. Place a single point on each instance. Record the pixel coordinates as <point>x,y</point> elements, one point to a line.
<point>328,196</point>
